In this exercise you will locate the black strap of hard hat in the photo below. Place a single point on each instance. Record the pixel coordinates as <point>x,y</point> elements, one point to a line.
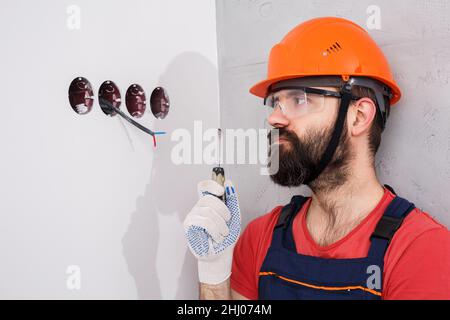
<point>346,97</point>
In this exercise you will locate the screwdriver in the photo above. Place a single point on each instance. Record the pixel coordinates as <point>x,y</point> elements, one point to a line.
<point>218,173</point>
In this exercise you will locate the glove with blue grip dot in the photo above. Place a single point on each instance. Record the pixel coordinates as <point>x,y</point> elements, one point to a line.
<point>212,228</point>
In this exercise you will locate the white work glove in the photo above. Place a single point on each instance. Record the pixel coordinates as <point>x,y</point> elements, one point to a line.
<point>212,228</point>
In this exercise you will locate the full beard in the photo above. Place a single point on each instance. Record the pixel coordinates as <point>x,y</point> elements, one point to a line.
<point>299,158</point>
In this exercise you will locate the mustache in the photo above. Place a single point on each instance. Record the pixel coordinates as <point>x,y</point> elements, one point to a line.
<point>281,133</point>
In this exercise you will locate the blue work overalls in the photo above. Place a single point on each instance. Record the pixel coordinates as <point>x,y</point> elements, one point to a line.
<point>285,274</point>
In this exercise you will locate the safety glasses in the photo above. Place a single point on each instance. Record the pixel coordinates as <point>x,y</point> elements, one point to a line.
<point>296,101</point>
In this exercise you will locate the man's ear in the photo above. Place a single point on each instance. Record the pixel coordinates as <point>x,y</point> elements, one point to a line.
<point>362,114</point>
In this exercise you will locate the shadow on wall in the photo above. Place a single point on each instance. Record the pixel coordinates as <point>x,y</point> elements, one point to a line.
<point>191,81</point>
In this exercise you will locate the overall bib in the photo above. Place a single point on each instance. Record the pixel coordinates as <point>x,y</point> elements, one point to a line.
<point>285,274</point>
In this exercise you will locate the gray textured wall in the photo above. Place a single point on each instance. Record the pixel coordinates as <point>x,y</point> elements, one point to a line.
<point>415,36</point>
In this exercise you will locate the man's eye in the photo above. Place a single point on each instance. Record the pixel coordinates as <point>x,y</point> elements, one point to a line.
<point>299,100</point>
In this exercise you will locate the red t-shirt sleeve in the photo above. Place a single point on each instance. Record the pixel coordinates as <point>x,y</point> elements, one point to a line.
<point>249,254</point>
<point>423,270</point>
<point>242,271</point>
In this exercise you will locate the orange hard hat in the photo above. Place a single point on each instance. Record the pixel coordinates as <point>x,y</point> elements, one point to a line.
<point>327,46</point>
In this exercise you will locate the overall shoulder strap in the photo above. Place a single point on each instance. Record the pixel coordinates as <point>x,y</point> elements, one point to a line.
<point>389,223</point>
<point>290,210</point>
<point>281,233</point>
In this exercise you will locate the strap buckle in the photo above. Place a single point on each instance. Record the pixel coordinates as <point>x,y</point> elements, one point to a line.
<point>283,219</point>
<point>289,211</point>
<point>386,227</point>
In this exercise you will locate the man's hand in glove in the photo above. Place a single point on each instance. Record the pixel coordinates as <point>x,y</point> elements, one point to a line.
<point>212,228</point>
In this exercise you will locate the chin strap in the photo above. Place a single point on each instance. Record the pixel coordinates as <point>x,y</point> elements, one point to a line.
<point>346,97</point>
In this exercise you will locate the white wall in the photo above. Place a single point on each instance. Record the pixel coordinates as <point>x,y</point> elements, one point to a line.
<point>89,190</point>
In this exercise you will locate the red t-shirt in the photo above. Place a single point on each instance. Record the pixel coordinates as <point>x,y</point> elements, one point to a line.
<point>416,264</point>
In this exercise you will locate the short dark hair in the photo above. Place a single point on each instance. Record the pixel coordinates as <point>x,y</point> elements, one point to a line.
<point>376,128</point>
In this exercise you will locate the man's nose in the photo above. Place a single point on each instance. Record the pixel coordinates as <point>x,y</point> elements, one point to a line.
<point>277,119</point>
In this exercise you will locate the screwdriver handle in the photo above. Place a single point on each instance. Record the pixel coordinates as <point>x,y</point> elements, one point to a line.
<point>218,175</point>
